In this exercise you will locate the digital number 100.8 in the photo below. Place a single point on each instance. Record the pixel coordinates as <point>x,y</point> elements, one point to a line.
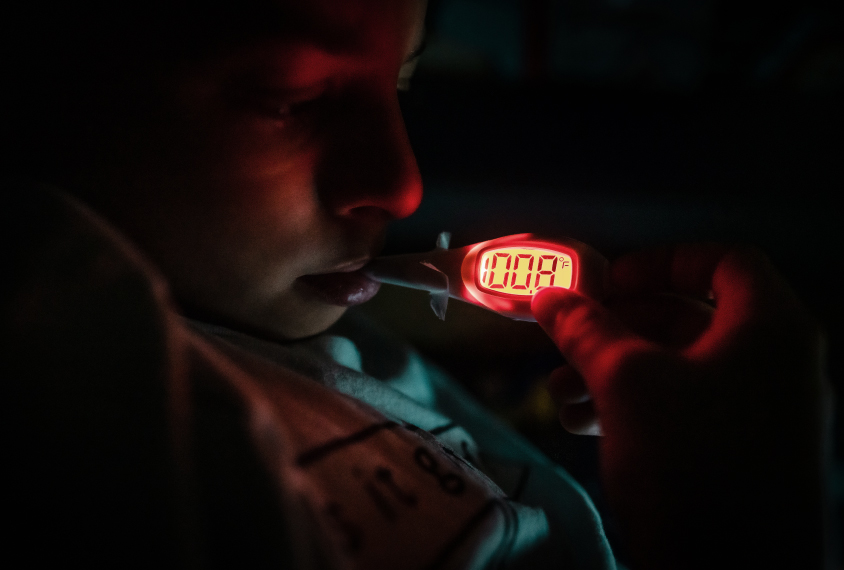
<point>521,272</point>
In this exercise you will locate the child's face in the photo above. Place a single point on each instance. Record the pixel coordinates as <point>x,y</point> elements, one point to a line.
<point>279,162</point>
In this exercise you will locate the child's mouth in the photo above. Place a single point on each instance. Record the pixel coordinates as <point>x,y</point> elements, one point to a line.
<point>343,288</point>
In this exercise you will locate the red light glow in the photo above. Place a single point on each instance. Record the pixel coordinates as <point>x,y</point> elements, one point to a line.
<point>504,274</point>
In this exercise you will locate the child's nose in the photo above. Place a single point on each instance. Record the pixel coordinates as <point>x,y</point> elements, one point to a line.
<point>369,167</point>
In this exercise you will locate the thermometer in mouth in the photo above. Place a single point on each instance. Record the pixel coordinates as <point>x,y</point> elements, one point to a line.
<point>500,274</point>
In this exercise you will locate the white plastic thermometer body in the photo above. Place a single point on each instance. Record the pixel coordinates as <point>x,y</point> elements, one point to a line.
<point>501,274</point>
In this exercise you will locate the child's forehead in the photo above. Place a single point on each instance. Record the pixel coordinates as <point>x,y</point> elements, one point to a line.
<point>308,41</point>
<point>350,24</point>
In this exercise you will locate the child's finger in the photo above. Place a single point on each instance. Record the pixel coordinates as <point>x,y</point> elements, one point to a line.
<point>743,283</point>
<point>685,268</point>
<point>580,419</point>
<point>566,386</point>
<point>591,338</point>
<point>750,295</point>
<point>673,321</point>
<point>577,411</point>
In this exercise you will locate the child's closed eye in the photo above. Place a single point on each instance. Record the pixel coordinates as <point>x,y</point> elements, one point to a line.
<point>274,105</point>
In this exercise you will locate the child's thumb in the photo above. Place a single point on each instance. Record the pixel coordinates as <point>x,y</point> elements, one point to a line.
<point>591,338</point>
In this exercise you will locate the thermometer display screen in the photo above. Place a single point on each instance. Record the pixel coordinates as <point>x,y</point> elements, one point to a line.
<point>523,270</point>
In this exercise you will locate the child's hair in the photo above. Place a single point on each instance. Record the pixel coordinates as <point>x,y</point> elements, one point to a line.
<point>74,69</point>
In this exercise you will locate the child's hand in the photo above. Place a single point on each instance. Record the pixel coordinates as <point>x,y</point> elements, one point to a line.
<point>711,417</point>
<point>670,320</point>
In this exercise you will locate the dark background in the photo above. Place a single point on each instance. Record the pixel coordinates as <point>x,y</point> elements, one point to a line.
<point>622,123</point>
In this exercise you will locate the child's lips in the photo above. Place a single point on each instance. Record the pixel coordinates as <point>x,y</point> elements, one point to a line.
<point>345,287</point>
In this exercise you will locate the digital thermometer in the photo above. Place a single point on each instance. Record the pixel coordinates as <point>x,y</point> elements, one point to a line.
<point>500,274</point>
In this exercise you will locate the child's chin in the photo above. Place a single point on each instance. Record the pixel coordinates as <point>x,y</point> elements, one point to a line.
<point>310,322</point>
